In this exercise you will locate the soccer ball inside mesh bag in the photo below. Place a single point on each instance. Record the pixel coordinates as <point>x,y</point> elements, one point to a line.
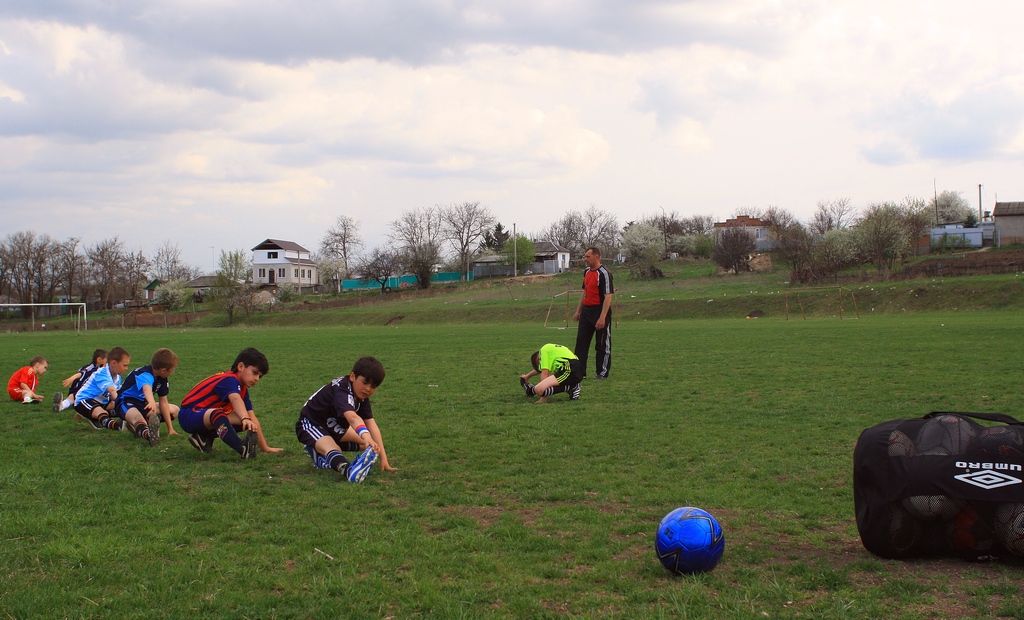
<point>968,533</point>
<point>1009,527</point>
<point>944,435</point>
<point>904,528</point>
<point>932,506</point>
<point>900,444</point>
<point>1001,441</point>
<point>689,540</point>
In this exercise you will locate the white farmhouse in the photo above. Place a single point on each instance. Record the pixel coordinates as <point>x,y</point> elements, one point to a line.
<point>276,262</point>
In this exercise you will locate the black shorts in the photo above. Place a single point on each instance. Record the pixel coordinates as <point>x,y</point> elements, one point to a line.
<point>86,406</point>
<point>309,432</point>
<point>575,374</point>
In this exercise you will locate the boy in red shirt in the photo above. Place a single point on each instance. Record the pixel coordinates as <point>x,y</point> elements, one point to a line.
<point>23,383</point>
<point>219,406</point>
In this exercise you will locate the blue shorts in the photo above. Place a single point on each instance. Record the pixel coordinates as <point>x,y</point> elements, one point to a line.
<point>121,408</point>
<point>191,420</point>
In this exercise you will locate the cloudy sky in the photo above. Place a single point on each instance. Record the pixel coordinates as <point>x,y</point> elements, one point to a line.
<point>218,123</point>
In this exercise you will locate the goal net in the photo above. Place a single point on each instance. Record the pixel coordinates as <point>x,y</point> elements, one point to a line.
<point>77,311</point>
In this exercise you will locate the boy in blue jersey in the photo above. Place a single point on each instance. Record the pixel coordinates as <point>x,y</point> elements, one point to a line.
<point>75,381</point>
<point>219,406</point>
<point>95,398</point>
<point>339,417</point>
<point>136,400</point>
<point>559,369</point>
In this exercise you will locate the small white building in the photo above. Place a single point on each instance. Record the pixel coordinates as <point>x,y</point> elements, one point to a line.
<point>276,262</point>
<point>955,235</point>
<point>550,257</point>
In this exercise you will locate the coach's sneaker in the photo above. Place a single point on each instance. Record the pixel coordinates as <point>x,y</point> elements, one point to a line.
<point>153,423</point>
<point>58,398</point>
<point>250,445</point>
<point>526,387</point>
<point>203,444</point>
<point>359,469</point>
<point>574,392</point>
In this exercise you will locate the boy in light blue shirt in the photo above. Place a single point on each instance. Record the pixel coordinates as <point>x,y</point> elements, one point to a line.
<point>95,399</point>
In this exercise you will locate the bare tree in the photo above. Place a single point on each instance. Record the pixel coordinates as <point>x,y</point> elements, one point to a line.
<point>167,264</point>
<point>464,226</point>
<point>342,240</point>
<point>777,219</point>
<point>134,271</point>
<point>567,231</point>
<point>579,230</point>
<point>831,215</point>
<point>419,235</point>
<point>378,267</point>
<point>32,275</point>
<point>796,248</point>
<point>105,259</point>
<point>601,230</point>
<point>72,265</point>
<point>733,249</point>
<point>697,225</point>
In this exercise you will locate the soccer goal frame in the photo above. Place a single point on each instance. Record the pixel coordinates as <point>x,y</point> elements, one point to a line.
<point>81,313</point>
<point>568,307</point>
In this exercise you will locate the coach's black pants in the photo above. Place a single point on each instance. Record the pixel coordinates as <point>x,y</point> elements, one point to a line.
<point>586,332</point>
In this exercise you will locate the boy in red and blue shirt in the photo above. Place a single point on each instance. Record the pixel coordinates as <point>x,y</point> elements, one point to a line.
<point>219,406</point>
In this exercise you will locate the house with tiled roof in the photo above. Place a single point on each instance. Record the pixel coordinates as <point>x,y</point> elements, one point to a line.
<point>276,262</point>
<point>753,226</point>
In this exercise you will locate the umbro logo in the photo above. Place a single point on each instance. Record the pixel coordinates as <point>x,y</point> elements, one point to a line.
<point>988,479</point>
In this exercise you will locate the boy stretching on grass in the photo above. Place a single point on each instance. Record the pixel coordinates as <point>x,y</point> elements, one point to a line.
<point>219,406</point>
<point>136,400</point>
<point>75,381</point>
<point>23,383</point>
<point>559,369</point>
<point>95,398</point>
<point>339,417</point>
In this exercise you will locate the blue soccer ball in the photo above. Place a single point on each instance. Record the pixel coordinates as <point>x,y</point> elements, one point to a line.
<point>689,540</point>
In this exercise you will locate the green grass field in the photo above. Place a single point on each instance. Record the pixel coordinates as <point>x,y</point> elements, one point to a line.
<point>503,508</point>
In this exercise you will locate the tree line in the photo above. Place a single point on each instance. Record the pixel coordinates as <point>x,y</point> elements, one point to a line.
<point>36,268</point>
<point>837,238</point>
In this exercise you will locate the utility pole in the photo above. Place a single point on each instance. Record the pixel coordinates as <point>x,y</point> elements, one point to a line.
<point>515,253</point>
<point>664,232</point>
<point>935,188</point>
<point>980,214</point>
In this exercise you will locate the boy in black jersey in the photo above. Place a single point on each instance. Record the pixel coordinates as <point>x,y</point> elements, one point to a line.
<point>339,417</point>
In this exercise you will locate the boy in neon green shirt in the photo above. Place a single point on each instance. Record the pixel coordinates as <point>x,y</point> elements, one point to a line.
<point>559,369</point>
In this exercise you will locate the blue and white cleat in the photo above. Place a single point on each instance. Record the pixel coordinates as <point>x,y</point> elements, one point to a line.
<point>360,468</point>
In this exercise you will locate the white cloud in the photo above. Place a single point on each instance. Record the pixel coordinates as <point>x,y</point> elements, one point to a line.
<point>209,120</point>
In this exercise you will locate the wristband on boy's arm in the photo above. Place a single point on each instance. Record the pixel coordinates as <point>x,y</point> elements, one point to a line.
<point>361,429</point>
